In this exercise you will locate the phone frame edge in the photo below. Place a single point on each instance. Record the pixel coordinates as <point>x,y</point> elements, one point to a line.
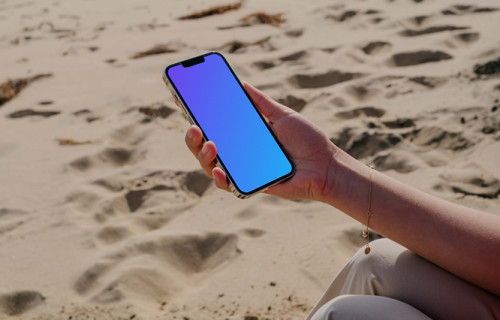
<point>238,193</point>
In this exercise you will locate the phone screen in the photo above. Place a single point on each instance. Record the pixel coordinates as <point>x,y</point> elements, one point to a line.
<point>246,148</point>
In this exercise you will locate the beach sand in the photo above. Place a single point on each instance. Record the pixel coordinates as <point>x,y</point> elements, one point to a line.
<point>105,214</point>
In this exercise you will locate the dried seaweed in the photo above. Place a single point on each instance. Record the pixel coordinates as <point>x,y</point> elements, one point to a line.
<point>211,11</point>
<point>11,88</point>
<point>159,49</point>
<point>71,142</point>
<point>235,45</point>
<point>264,18</point>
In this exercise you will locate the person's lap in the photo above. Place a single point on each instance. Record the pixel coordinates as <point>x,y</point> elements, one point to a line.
<point>392,271</point>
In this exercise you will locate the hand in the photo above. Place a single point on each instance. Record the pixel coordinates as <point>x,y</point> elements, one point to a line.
<point>310,150</point>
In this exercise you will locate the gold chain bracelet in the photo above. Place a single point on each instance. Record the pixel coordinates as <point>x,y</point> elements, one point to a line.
<point>366,230</point>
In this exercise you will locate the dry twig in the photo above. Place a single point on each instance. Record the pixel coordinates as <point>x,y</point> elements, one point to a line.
<point>212,11</point>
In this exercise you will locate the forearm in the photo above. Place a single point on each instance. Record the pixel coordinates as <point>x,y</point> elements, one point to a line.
<point>461,240</point>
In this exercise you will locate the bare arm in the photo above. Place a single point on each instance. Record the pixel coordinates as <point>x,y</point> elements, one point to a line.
<point>461,240</point>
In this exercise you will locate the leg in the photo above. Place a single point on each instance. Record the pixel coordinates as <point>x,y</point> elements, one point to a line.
<point>366,307</point>
<point>392,271</point>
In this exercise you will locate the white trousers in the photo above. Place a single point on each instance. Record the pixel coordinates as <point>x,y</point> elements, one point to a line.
<point>394,283</point>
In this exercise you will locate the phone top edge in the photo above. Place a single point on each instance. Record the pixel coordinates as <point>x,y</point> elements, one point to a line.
<point>192,58</point>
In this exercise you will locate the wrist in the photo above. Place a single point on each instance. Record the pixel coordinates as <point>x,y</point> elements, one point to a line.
<point>345,179</point>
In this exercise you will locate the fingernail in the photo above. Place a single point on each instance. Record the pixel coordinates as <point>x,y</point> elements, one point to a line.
<point>190,134</point>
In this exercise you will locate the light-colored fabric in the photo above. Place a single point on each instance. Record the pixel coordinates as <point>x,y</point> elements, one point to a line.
<point>391,270</point>
<point>367,307</point>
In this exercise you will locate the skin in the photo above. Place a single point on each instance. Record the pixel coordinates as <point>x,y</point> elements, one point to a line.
<point>464,241</point>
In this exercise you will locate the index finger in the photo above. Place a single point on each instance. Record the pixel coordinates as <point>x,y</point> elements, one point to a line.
<point>194,139</point>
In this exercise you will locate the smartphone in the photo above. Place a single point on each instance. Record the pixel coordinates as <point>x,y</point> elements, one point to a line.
<point>213,98</point>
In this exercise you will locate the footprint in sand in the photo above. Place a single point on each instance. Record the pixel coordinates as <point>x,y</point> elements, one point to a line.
<point>362,92</point>
<point>253,232</point>
<point>430,30</point>
<point>11,219</point>
<point>458,10</point>
<point>436,137</point>
<point>418,20</point>
<point>376,47</point>
<point>76,50</point>
<point>157,110</point>
<point>370,15</point>
<point>295,33</point>
<point>365,144</point>
<point>467,37</point>
<point>130,135</point>
<point>418,57</point>
<point>32,113</point>
<point>249,213</point>
<point>399,123</point>
<point>146,197</point>
<point>293,102</point>
<point>319,80</point>
<point>265,64</point>
<point>155,267</point>
<point>398,161</point>
<point>87,115</point>
<point>113,234</point>
<point>296,56</point>
<point>292,58</point>
<point>109,157</point>
<point>339,102</point>
<point>362,111</point>
<point>487,69</point>
<point>392,86</point>
<point>16,303</point>
<point>83,200</point>
<point>429,82</point>
<point>470,180</point>
<point>344,16</point>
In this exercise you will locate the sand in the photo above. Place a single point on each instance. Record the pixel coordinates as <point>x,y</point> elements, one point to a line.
<point>105,214</point>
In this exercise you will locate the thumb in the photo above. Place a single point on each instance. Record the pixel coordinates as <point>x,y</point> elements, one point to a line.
<point>271,109</point>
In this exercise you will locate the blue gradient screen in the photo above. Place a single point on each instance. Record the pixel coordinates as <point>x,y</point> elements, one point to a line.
<point>245,147</point>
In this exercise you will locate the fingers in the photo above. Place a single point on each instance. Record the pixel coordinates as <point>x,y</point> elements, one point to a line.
<point>207,156</point>
<point>194,140</point>
<point>204,152</point>
<point>269,108</point>
<point>220,179</point>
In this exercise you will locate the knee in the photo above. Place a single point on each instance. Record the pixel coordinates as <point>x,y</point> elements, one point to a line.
<point>382,254</point>
<point>338,308</point>
<point>366,308</point>
<point>370,273</point>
